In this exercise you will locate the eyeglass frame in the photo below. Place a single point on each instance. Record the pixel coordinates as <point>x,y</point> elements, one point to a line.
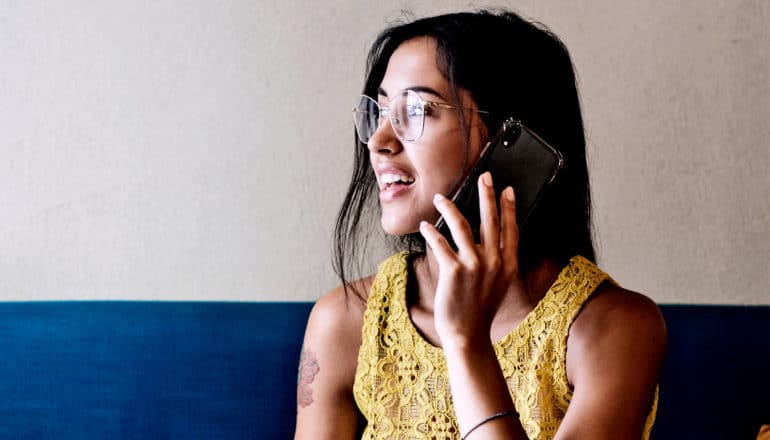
<point>384,112</point>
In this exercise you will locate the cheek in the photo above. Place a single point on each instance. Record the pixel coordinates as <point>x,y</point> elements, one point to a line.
<point>441,174</point>
<point>449,166</point>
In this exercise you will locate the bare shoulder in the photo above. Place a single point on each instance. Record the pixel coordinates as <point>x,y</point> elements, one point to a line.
<point>335,323</point>
<point>615,351</point>
<point>338,315</point>
<point>625,313</point>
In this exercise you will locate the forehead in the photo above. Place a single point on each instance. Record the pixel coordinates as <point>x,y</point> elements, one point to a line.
<point>413,65</point>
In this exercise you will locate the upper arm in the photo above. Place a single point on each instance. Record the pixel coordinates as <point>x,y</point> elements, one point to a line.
<point>325,406</point>
<point>615,350</point>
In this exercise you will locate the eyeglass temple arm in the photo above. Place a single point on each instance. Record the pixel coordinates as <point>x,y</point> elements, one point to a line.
<point>443,105</point>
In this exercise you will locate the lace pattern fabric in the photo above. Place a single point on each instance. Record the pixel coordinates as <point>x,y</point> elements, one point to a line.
<point>402,385</point>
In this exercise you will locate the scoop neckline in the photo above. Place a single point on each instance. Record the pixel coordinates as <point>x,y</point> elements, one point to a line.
<point>411,327</point>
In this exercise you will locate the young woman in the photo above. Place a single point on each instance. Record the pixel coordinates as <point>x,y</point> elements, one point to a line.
<point>511,337</point>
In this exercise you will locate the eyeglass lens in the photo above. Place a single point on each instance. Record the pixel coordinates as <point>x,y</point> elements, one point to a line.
<point>405,111</point>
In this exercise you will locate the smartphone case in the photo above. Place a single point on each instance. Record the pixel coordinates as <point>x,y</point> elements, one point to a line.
<point>515,157</point>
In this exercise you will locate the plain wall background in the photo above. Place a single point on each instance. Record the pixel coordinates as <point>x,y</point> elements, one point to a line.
<point>199,149</point>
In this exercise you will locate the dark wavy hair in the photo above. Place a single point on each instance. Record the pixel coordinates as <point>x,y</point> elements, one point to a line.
<point>510,67</point>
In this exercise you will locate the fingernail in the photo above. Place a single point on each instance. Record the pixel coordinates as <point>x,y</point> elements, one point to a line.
<point>438,197</point>
<point>487,179</point>
<point>508,193</point>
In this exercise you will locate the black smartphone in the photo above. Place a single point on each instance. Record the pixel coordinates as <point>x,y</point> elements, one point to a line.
<point>515,157</point>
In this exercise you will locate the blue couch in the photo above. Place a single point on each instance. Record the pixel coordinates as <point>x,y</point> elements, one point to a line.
<point>213,370</point>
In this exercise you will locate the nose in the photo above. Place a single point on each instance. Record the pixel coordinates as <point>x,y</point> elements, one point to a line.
<point>384,140</point>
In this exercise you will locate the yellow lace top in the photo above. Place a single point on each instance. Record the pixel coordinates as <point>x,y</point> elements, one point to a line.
<point>402,386</point>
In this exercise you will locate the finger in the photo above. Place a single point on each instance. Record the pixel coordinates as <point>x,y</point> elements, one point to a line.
<point>490,220</point>
<point>458,226</point>
<point>510,229</point>
<point>441,248</point>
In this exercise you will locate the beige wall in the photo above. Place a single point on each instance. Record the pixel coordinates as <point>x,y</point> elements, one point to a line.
<point>199,150</point>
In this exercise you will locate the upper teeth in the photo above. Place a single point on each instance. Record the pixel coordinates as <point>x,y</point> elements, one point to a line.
<point>392,178</point>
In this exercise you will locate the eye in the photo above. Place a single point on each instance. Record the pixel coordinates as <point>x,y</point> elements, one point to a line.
<point>415,110</point>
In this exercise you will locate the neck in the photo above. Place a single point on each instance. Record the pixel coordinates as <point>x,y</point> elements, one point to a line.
<point>536,283</point>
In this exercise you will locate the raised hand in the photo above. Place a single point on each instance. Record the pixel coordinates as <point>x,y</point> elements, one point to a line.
<point>473,280</point>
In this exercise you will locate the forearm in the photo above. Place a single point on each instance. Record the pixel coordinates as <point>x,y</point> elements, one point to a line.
<point>479,391</point>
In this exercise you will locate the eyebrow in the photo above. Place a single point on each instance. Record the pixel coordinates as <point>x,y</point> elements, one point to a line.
<point>421,89</point>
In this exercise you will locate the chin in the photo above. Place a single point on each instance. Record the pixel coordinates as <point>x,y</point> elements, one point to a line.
<point>405,225</point>
<point>399,227</point>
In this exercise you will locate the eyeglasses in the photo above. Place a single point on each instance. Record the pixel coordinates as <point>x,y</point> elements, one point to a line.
<point>406,112</point>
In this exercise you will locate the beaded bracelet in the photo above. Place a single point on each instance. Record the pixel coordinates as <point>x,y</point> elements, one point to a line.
<point>511,412</point>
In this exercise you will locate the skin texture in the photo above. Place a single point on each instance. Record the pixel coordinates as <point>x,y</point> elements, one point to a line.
<point>437,159</point>
<point>468,298</point>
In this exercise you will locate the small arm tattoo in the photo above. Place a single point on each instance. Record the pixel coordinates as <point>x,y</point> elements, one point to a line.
<point>308,368</point>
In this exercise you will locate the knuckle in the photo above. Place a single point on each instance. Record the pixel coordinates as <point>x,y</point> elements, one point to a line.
<point>452,269</point>
<point>473,264</point>
<point>463,224</point>
<point>511,271</point>
<point>494,265</point>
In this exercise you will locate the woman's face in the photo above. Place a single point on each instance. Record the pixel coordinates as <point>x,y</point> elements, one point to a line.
<point>436,161</point>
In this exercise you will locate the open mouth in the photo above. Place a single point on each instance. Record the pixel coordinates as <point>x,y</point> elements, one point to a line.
<point>389,180</point>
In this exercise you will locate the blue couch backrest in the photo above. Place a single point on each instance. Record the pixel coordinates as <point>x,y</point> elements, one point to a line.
<point>228,370</point>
